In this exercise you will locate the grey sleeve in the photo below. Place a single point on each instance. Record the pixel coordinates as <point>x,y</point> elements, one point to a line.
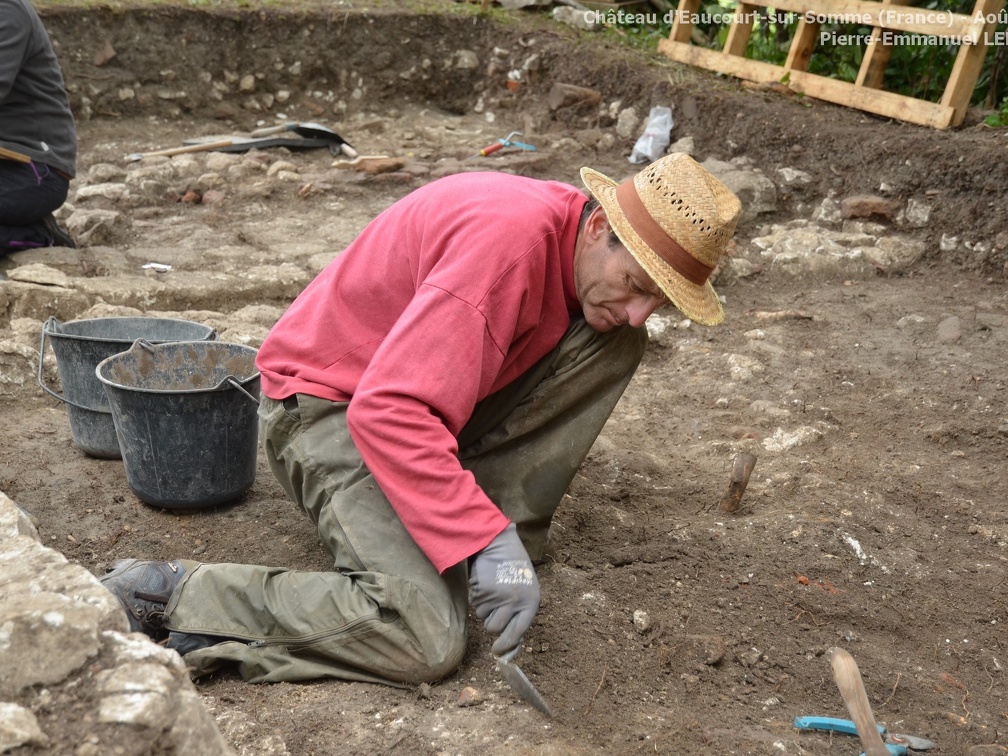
<point>15,33</point>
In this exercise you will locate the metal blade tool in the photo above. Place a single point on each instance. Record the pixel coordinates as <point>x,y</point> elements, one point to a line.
<point>520,684</point>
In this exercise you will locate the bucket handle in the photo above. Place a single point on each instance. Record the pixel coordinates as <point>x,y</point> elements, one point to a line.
<point>41,376</point>
<point>236,384</point>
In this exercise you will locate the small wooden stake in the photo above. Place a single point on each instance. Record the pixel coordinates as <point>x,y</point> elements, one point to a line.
<point>741,470</point>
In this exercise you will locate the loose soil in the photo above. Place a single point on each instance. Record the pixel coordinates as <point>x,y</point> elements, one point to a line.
<point>874,519</point>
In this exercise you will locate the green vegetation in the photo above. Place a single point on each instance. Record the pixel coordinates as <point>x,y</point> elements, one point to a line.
<point>999,119</point>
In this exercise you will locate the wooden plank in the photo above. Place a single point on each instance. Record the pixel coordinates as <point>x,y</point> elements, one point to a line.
<point>876,56</point>
<point>879,102</point>
<point>802,45</point>
<point>873,13</point>
<point>715,60</point>
<point>886,104</point>
<point>739,33</point>
<point>682,25</point>
<point>969,62</point>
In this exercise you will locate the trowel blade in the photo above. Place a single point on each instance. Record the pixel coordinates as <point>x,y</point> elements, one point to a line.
<point>521,685</point>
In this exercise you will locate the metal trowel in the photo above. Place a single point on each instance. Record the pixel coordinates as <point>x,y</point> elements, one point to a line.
<point>521,685</point>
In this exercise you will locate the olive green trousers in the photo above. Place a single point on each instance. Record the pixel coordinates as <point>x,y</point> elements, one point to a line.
<point>384,614</point>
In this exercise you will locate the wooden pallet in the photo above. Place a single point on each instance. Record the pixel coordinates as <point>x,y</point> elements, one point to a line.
<point>884,17</point>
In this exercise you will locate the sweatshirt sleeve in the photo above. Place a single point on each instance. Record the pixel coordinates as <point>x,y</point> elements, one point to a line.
<point>412,401</point>
<point>15,32</point>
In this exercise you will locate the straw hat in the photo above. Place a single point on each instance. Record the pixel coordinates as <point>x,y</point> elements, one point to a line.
<point>676,219</point>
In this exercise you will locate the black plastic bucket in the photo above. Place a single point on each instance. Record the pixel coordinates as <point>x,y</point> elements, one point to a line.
<point>185,414</point>
<point>79,345</point>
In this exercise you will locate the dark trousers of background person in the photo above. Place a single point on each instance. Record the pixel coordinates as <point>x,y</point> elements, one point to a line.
<point>29,192</point>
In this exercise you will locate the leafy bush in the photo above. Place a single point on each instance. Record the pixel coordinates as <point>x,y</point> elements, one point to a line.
<point>1000,118</point>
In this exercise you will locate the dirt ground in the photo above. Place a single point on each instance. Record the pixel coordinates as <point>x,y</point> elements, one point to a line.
<point>875,519</point>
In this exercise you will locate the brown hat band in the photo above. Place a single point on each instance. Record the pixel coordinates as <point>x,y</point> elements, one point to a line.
<point>647,228</point>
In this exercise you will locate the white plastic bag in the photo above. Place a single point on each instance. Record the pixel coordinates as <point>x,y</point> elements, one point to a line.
<point>652,144</point>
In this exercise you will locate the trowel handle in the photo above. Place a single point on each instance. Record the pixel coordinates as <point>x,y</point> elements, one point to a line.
<point>848,679</point>
<point>492,148</point>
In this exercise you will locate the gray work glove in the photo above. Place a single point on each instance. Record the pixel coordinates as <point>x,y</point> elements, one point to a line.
<point>504,589</point>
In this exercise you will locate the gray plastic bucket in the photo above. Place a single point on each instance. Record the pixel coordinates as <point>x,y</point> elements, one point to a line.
<point>79,345</point>
<point>185,414</point>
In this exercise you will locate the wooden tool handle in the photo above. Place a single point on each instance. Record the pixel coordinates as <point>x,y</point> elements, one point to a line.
<point>741,470</point>
<point>491,149</point>
<point>200,147</point>
<point>848,680</point>
<point>11,155</point>
<point>266,131</point>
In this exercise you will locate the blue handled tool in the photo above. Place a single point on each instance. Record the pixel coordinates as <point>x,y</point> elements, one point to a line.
<point>895,743</point>
<point>507,141</point>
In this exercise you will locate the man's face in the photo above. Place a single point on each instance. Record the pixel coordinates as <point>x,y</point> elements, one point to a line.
<point>611,286</point>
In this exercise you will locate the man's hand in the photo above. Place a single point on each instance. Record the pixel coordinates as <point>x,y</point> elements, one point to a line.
<point>504,589</point>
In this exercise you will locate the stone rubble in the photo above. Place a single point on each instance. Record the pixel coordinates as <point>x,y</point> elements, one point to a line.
<point>62,632</point>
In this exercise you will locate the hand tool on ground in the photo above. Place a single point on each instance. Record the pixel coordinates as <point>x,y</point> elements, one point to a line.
<point>241,143</point>
<point>741,470</point>
<point>521,685</point>
<point>894,742</point>
<point>852,690</point>
<point>507,141</point>
<point>206,146</point>
<point>232,144</point>
<point>337,143</point>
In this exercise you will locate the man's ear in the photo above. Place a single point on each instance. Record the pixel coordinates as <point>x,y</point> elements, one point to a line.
<point>597,224</point>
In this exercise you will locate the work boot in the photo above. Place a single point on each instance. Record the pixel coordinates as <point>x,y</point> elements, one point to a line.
<point>61,237</point>
<point>185,643</point>
<point>144,588</point>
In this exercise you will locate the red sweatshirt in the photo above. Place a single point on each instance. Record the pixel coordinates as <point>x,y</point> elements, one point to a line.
<point>448,295</point>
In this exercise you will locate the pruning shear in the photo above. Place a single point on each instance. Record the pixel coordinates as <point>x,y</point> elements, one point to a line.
<point>895,743</point>
<point>507,141</point>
